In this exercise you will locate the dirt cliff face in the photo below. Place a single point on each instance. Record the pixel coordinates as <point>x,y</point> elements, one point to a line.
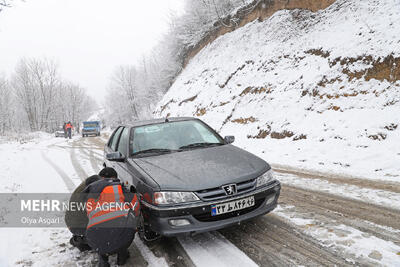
<point>324,83</point>
<point>297,67</point>
<point>255,11</point>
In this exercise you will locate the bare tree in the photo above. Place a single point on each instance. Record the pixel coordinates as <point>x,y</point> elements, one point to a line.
<point>124,79</point>
<point>131,92</point>
<point>5,106</point>
<point>36,82</point>
<point>46,99</point>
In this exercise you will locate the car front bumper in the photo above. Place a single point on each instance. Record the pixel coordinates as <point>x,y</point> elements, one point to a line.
<point>90,132</point>
<point>199,214</point>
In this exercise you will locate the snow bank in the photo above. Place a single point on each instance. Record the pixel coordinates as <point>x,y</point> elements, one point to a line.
<point>311,90</point>
<point>25,137</point>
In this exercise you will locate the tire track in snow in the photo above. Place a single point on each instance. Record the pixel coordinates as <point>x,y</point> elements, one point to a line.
<point>96,165</point>
<point>68,182</point>
<point>148,255</point>
<point>136,256</point>
<point>77,166</point>
<point>90,153</point>
<point>98,143</point>
<point>310,218</point>
<point>213,249</point>
<point>270,241</point>
<point>88,150</point>
<point>170,249</point>
<point>94,161</point>
<point>348,207</point>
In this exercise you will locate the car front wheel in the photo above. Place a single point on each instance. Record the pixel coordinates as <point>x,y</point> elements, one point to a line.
<point>144,231</point>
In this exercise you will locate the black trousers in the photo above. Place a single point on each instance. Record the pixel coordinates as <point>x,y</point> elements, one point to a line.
<point>104,257</point>
<point>111,236</point>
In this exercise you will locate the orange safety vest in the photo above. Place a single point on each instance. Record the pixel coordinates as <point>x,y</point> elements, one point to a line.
<point>110,205</point>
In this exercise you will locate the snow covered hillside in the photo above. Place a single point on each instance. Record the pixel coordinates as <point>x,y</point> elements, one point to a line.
<point>317,91</point>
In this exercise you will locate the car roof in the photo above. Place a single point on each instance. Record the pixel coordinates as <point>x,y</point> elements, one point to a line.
<point>157,121</point>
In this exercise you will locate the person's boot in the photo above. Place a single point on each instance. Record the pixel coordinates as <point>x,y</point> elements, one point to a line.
<point>80,243</point>
<point>103,261</point>
<point>122,257</point>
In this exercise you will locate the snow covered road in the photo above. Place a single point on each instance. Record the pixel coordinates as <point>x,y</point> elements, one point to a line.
<point>320,220</point>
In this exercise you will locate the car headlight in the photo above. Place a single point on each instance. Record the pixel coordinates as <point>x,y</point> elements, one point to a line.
<point>163,198</point>
<point>266,178</point>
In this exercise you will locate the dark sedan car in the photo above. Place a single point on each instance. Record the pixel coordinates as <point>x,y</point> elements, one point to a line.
<point>189,178</point>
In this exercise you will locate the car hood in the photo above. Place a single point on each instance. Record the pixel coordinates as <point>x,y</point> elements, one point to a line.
<point>202,168</point>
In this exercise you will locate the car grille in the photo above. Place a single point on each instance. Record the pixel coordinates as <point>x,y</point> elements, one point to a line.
<point>219,193</point>
<point>206,216</point>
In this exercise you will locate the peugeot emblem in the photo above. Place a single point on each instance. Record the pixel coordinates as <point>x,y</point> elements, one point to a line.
<point>230,189</point>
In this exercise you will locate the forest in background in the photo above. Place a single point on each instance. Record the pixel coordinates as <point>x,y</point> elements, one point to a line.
<point>37,98</point>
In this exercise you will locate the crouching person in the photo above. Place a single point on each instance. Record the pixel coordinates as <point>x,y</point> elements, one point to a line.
<point>112,212</point>
<point>76,219</point>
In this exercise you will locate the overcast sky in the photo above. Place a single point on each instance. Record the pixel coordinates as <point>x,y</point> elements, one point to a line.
<point>88,38</point>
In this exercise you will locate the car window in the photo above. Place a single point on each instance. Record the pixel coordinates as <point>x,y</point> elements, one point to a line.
<point>112,137</point>
<point>172,135</point>
<point>123,142</point>
<point>90,125</point>
<point>206,135</point>
<point>116,138</point>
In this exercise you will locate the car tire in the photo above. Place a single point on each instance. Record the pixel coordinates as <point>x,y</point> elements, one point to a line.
<point>145,233</point>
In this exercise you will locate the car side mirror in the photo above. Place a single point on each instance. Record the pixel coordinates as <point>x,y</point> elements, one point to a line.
<point>229,139</point>
<point>115,156</point>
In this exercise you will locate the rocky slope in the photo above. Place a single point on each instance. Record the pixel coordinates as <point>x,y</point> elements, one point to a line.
<point>314,90</point>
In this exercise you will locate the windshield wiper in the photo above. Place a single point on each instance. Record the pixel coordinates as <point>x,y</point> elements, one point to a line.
<point>154,150</point>
<point>194,145</point>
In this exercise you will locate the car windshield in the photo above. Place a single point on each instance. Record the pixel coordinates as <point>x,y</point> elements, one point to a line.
<point>90,125</point>
<point>172,137</point>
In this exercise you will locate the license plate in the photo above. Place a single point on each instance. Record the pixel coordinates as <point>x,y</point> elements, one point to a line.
<point>232,206</point>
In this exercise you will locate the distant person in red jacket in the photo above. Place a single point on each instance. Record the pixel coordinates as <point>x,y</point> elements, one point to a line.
<point>69,128</point>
